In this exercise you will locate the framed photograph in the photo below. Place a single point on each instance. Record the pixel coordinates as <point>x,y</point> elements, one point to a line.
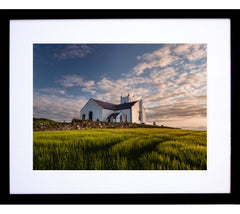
<point>122,107</point>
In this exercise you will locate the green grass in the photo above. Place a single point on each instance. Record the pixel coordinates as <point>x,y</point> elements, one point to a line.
<point>37,121</point>
<point>120,149</point>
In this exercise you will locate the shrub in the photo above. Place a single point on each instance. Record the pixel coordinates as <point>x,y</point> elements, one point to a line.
<point>75,120</point>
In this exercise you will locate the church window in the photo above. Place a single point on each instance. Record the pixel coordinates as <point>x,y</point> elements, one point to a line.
<point>139,115</point>
<point>84,117</point>
<point>121,119</point>
<point>90,116</point>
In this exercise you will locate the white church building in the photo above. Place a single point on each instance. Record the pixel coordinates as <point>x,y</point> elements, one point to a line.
<point>129,110</point>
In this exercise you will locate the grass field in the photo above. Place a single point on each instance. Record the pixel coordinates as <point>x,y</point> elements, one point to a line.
<point>120,149</point>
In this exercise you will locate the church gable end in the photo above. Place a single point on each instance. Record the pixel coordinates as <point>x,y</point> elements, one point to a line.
<point>91,111</point>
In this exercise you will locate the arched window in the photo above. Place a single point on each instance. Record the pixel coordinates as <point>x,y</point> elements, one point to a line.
<point>90,116</point>
<point>84,117</point>
<point>121,119</point>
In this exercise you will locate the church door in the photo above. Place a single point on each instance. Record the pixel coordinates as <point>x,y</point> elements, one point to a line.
<point>90,116</point>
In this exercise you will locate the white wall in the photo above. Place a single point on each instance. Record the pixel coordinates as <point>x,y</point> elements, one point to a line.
<point>106,113</point>
<point>118,118</point>
<point>94,107</point>
<point>135,110</point>
<point>124,113</point>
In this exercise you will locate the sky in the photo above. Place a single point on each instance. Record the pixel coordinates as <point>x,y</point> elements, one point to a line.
<point>170,78</point>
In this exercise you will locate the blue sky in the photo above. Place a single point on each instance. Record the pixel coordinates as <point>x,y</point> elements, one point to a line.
<point>170,78</point>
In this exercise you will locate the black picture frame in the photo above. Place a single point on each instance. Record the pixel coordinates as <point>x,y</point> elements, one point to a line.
<point>232,198</point>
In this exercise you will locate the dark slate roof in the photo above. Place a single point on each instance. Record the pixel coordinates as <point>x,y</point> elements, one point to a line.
<point>111,106</point>
<point>114,115</point>
<point>125,105</point>
<point>105,104</point>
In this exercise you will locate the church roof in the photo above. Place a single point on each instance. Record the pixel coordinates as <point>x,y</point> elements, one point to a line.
<point>114,115</point>
<point>125,105</point>
<point>105,104</point>
<point>111,106</point>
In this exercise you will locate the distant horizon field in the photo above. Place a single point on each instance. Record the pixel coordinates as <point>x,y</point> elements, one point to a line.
<point>120,149</point>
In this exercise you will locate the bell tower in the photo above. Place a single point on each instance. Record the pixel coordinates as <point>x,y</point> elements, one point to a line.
<point>127,99</point>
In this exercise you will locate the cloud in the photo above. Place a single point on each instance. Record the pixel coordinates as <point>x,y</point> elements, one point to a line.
<point>77,81</point>
<point>89,86</point>
<point>159,58</point>
<point>161,53</point>
<point>180,109</point>
<point>162,75</point>
<point>53,91</point>
<point>113,89</point>
<point>70,80</point>
<point>56,107</point>
<point>73,51</point>
<point>178,79</point>
<point>191,52</point>
<point>183,48</point>
<point>170,55</point>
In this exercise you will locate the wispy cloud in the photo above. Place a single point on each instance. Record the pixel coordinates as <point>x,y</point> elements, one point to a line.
<point>52,91</point>
<point>73,51</point>
<point>113,89</point>
<point>178,75</point>
<point>76,80</point>
<point>56,107</point>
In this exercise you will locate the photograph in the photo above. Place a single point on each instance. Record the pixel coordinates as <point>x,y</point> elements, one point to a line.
<point>119,106</point>
<point>122,107</point>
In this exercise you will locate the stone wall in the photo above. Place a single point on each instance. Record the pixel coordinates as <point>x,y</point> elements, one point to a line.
<point>86,124</point>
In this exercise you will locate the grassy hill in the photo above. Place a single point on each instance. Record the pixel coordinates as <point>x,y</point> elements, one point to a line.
<point>41,121</point>
<point>120,149</point>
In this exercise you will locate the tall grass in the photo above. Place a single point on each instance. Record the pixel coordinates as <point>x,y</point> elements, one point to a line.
<point>120,149</point>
